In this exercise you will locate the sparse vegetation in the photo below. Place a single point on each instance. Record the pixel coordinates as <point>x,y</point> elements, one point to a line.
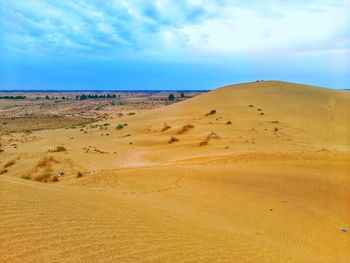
<point>165,127</point>
<point>228,123</point>
<point>45,161</point>
<point>3,171</point>
<point>59,149</point>
<point>212,112</point>
<point>106,124</point>
<point>45,176</point>
<point>185,128</point>
<point>131,113</point>
<point>171,97</point>
<point>55,178</point>
<point>210,136</point>
<point>120,126</point>
<point>203,143</point>
<point>79,174</point>
<point>12,97</point>
<point>9,163</point>
<point>26,176</point>
<point>173,139</point>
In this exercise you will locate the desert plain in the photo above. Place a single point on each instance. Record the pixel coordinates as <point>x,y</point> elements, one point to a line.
<point>254,172</point>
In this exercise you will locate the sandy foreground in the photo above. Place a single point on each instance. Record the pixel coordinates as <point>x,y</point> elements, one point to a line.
<point>264,178</point>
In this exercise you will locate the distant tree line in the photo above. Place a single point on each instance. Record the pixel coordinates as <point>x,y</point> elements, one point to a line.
<point>13,97</point>
<point>95,96</point>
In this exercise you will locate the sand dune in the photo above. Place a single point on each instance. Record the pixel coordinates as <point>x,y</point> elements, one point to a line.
<point>256,172</point>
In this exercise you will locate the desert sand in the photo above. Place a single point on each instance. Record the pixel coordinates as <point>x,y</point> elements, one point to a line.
<point>255,172</point>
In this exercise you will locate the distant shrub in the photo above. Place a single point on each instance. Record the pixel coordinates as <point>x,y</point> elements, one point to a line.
<point>106,124</point>
<point>9,163</point>
<point>171,97</point>
<point>251,105</point>
<point>131,113</point>
<point>3,171</point>
<point>125,124</point>
<point>229,122</point>
<point>275,129</point>
<point>120,126</point>
<point>182,95</point>
<point>79,174</point>
<point>173,139</point>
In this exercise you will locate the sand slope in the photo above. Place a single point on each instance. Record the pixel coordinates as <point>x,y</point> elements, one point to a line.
<point>271,187</point>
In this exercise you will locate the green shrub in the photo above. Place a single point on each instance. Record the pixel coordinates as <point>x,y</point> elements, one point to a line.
<point>171,97</point>
<point>120,126</point>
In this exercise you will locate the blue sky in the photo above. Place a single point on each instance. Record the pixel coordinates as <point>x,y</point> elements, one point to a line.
<point>166,44</point>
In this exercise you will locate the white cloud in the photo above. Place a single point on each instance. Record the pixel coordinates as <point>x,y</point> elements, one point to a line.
<point>175,28</point>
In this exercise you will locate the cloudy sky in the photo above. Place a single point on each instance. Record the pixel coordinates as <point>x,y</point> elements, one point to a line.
<point>167,44</point>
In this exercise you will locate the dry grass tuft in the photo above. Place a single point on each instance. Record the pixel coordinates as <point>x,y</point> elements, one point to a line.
<point>45,176</point>
<point>185,129</point>
<point>58,149</point>
<point>211,136</point>
<point>9,163</point>
<point>173,139</point>
<point>26,176</point>
<point>165,127</point>
<point>3,171</point>
<point>46,161</point>
<point>210,112</point>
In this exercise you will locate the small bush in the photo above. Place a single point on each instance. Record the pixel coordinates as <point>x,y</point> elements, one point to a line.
<point>79,174</point>
<point>165,127</point>
<point>59,149</point>
<point>9,163</point>
<point>46,161</point>
<point>173,139</point>
<point>211,112</point>
<point>204,143</point>
<point>131,113</point>
<point>229,122</point>
<point>106,124</point>
<point>125,124</point>
<point>44,176</point>
<point>120,126</point>
<point>3,171</point>
<point>185,128</point>
<point>55,178</point>
<point>26,176</point>
<point>171,97</point>
<point>275,129</point>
